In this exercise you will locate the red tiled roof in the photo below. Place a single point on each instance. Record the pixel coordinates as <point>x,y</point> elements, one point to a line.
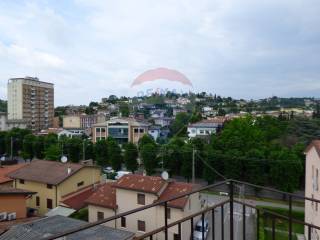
<point>104,196</point>
<point>5,170</point>
<point>50,172</point>
<point>77,200</point>
<point>141,183</point>
<point>315,144</point>
<point>174,189</point>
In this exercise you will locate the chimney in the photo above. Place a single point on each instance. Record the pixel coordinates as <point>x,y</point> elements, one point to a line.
<point>69,170</point>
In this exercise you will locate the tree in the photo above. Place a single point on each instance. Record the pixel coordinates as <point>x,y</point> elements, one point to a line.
<point>149,157</point>
<point>124,109</point>
<point>130,156</point>
<point>101,152</point>
<point>74,149</point>
<point>114,154</point>
<point>179,125</point>
<point>144,140</point>
<point>38,147</point>
<point>3,142</point>
<point>27,146</point>
<point>186,165</point>
<point>53,152</point>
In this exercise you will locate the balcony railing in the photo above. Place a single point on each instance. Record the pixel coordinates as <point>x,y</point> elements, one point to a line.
<point>225,208</point>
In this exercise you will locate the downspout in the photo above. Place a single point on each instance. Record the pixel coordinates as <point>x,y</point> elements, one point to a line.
<point>56,195</point>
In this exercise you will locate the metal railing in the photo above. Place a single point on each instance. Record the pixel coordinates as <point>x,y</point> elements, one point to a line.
<point>230,202</point>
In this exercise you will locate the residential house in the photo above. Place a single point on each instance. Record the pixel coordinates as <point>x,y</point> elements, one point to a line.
<point>163,121</point>
<point>122,129</point>
<point>205,128</point>
<point>134,191</point>
<point>154,132</point>
<point>45,227</point>
<point>312,188</point>
<point>52,180</point>
<point>6,181</point>
<point>175,111</point>
<point>13,201</point>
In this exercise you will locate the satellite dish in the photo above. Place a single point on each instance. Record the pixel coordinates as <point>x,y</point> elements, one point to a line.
<point>3,158</point>
<point>165,175</point>
<point>64,159</point>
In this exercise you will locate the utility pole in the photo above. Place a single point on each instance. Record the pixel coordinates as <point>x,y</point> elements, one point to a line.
<point>193,165</point>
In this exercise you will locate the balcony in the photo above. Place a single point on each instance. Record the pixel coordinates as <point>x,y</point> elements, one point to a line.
<point>233,217</point>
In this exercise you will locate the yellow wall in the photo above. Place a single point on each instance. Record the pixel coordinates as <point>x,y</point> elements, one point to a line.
<point>71,122</point>
<point>88,175</point>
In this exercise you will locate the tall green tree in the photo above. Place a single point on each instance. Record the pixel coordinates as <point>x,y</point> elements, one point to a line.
<point>114,154</point>
<point>101,152</point>
<point>148,155</point>
<point>27,146</point>
<point>74,149</point>
<point>130,157</point>
<point>53,152</point>
<point>38,147</point>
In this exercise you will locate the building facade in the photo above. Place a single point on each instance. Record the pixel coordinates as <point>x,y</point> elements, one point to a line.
<point>312,188</point>
<point>123,130</point>
<point>134,191</point>
<point>30,103</point>
<point>205,128</point>
<point>3,121</point>
<point>52,181</point>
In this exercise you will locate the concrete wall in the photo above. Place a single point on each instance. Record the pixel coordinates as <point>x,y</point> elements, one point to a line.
<point>312,190</point>
<point>14,203</point>
<point>93,211</point>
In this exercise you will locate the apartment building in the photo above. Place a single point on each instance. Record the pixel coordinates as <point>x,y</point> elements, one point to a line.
<point>82,121</point>
<point>134,191</point>
<point>312,188</point>
<point>52,181</point>
<point>3,121</point>
<point>123,130</point>
<point>30,103</point>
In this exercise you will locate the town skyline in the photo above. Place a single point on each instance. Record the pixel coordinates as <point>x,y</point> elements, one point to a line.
<point>232,48</point>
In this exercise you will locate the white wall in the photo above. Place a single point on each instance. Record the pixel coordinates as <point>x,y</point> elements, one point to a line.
<point>312,211</point>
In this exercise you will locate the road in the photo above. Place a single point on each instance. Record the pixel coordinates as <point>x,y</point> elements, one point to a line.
<point>238,221</point>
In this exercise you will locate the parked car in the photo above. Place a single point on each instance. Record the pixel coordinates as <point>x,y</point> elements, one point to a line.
<point>120,174</point>
<point>197,233</point>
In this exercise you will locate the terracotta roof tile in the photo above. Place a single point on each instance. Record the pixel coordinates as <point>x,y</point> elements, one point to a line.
<point>5,170</point>
<point>104,196</point>
<point>174,189</point>
<point>141,183</point>
<point>43,171</point>
<point>77,200</point>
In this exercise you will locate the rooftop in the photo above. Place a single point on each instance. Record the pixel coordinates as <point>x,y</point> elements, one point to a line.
<point>104,196</point>
<point>46,227</point>
<point>37,171</point>
<point>141,183</point>
<point>315,144</point>
<point>6,169</point>
<point>208,123</point>
<point>77,200</point>
<point>123,120</point>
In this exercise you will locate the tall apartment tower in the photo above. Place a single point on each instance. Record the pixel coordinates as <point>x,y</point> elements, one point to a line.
<point>30,103</point>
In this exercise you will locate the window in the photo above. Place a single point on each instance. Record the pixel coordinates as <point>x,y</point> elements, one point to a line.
<point>136,130</point>
<point>103,130</point>
<point>201,131</point>
<point>141,130</point>
<point>49,186</point>
<point>79,184</point>
<point>141,199</point>
<point>168,213</point>
<point>100,216</point>
<point>123,222</point>
<point>37,201</point>
<point>49,203</point>
<point>141,226</point>
<point>176,236</point>
<point>21,181</point>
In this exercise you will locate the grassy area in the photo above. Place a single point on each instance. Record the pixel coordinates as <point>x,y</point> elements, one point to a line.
<point>281,225</point>
<point>82,214</point>
<point>295,203</point>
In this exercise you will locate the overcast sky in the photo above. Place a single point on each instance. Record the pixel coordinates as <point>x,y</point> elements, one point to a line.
<point>90,49</point>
